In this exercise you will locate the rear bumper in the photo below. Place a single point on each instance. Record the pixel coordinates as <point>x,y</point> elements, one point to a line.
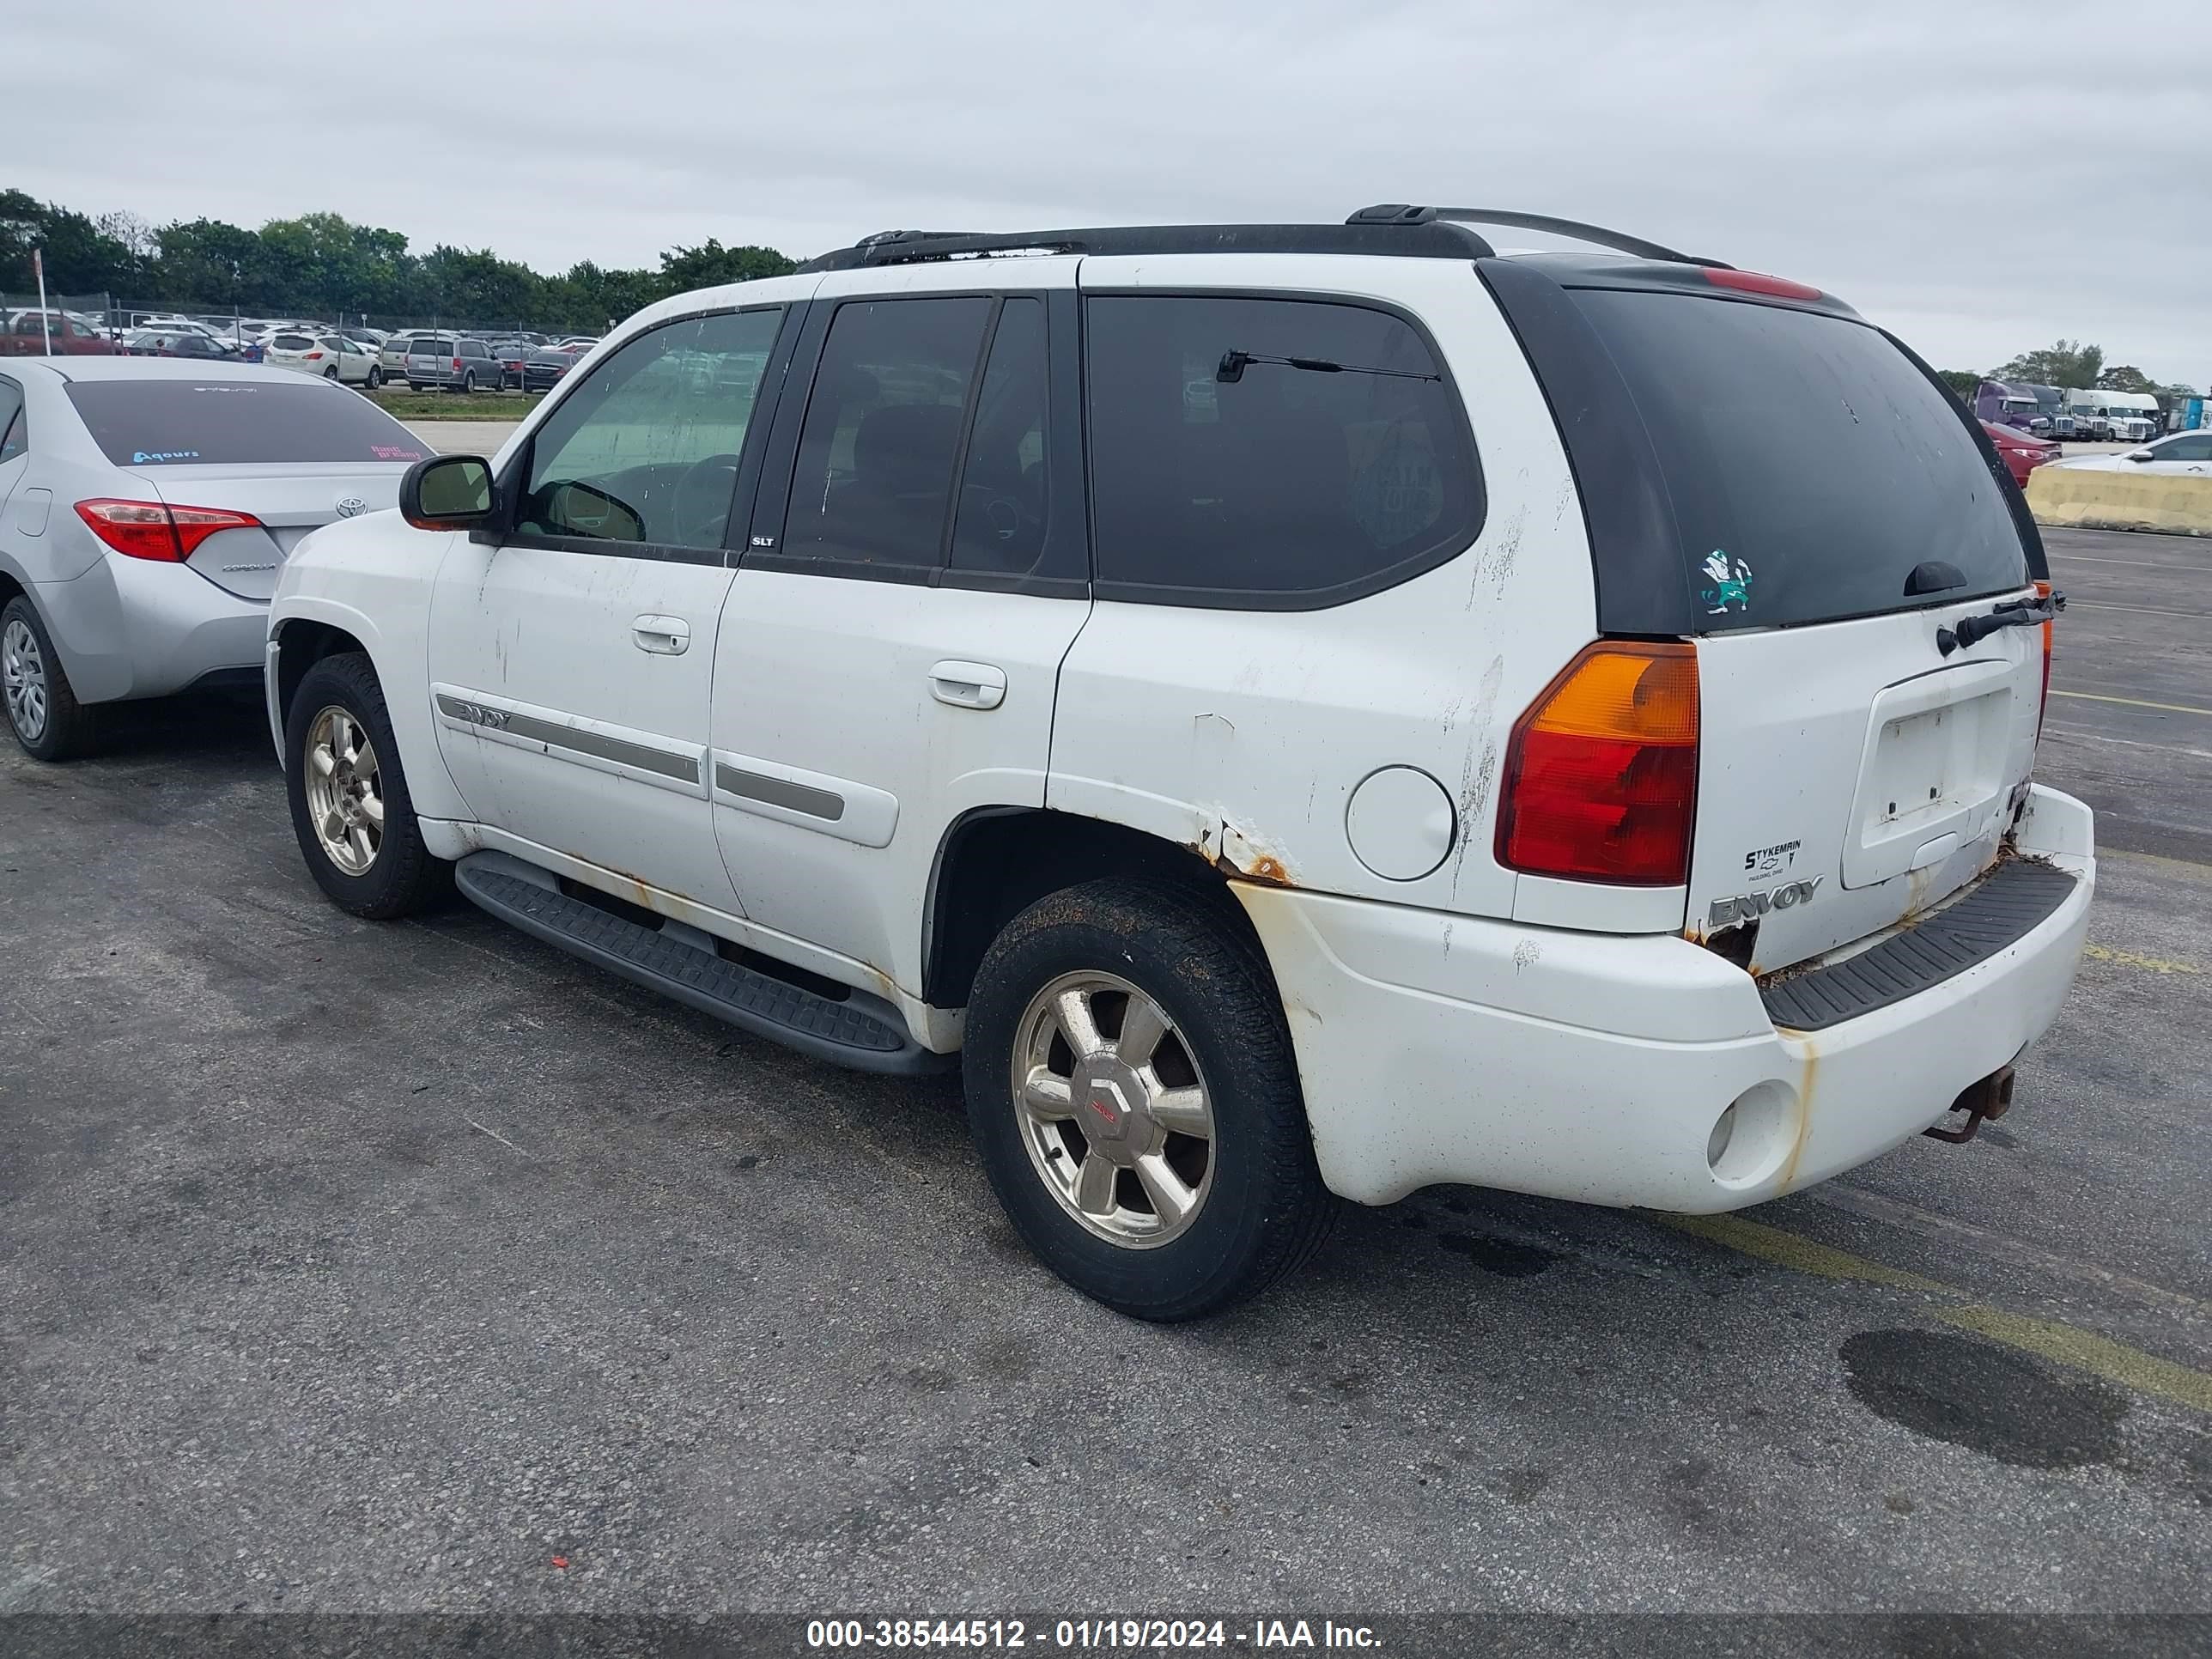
<point>133,627</point>
<point>1437,1048</point>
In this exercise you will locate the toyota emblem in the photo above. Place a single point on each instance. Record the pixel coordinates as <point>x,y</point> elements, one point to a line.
<point>349,506</point>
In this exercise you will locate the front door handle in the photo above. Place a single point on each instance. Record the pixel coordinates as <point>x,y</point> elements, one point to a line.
<point>968,685</point>
<point>664,637</point>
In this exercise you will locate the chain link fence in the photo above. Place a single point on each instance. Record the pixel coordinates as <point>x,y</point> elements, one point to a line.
<point>132,313</point>
<point>83,317</point>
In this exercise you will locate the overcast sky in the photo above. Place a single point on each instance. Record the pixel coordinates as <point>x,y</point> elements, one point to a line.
<point>1982,178</point>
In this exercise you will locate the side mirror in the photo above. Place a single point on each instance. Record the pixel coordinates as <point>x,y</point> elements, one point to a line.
<point>446,492</point>
<point>2142,455</point>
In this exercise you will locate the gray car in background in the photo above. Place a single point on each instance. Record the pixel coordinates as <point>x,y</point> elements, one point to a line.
<point>391,356</point>
<point>146,505</point>
<point>459,365</point>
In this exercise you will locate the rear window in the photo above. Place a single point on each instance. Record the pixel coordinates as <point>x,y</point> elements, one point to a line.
<point>1811,464</point>
<point>181,423</point>
<point>423,346</point>
<point>293,343</point>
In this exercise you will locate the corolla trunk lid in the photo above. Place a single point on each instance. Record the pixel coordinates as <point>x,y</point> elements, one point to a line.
<point>1837,516</point>
<point>292,451</point>
<point>287,501</point>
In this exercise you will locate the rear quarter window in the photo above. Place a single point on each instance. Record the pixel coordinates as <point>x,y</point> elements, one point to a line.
<point>1810,464</point>
<point>1270,453</point>
<point>188,423</point>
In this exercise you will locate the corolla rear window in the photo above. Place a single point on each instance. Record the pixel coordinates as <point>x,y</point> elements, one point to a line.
<point>1812,465</point>
<point>227,423</point>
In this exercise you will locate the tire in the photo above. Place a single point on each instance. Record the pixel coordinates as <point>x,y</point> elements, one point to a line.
<point>37,701</point>
<point>468,380</point>
<point>375,378</point>
<point>1258,1207</point>
<point>399,876</point>
<point>331,373</point>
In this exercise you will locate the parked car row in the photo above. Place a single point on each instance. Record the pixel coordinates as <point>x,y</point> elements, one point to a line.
<point>469,362</point>
<point>461,361</point>
<point>1183,705</point>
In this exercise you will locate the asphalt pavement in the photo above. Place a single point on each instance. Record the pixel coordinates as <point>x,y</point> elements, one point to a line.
<point>463,437</point>
<point>2128,727</point>
<point>349,1266</point>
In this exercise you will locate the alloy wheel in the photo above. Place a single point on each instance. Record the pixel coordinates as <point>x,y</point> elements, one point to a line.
<point>1115,1115</point>
<point>345,795</point>
<point>23,680</point>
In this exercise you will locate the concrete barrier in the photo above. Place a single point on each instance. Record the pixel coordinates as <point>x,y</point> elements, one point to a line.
<point>2079,498</point>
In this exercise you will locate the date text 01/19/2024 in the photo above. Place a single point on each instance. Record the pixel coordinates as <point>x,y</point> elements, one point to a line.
<point>1085,1634</point>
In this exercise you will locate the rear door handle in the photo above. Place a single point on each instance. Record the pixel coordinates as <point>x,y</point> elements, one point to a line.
<point>664,637</point>
<point>968,685</point>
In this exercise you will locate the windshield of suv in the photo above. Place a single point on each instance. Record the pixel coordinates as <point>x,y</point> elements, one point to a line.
<point>1811,464</point>
<point>141,423</point>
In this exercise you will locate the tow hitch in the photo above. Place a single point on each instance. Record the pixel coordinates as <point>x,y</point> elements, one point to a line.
<point>1988,1099</point>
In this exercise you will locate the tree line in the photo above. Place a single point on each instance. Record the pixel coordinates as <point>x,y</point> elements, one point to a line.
<point>321,265</point>
<point>2069,364</point>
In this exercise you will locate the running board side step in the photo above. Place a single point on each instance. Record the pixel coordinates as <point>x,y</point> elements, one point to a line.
<point>863,1032</point>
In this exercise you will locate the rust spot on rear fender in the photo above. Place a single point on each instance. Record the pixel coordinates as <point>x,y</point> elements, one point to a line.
<point>1246,855</point>
<point>1806,1080</point>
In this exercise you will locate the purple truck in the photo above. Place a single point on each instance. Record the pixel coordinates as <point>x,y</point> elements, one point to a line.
<point>2008,405</point>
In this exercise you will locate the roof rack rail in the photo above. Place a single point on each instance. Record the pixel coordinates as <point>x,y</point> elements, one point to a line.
<point>892,247</point>
<point>1400,213</point>
<point>1435,239</point>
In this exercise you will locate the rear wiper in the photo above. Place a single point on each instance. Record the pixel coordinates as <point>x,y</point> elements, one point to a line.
<point>2020,613</point>
<point>1234,363</point>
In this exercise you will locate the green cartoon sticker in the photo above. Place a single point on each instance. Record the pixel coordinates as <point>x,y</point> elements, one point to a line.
<point>1731,588</point>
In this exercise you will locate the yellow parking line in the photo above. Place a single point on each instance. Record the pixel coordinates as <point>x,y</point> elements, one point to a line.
<point>2129,959</point>
<point>2133,703</point>
<point>2115,1362</point>
<point>1789,1250</point>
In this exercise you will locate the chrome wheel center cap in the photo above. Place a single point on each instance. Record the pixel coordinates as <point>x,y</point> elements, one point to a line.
<point>1111,1109</point>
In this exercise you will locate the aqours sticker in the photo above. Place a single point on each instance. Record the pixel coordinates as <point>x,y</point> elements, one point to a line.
<point>139,457</point>
<point>1731,584</point>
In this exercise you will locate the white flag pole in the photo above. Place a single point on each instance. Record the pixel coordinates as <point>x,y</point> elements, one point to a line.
<point>45,317</point>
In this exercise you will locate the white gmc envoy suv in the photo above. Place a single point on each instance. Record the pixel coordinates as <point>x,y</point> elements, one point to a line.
<point>1301,712</point>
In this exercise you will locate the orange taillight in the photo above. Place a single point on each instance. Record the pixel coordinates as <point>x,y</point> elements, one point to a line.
<point>1601,772</point>
<point>2043,593</point>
